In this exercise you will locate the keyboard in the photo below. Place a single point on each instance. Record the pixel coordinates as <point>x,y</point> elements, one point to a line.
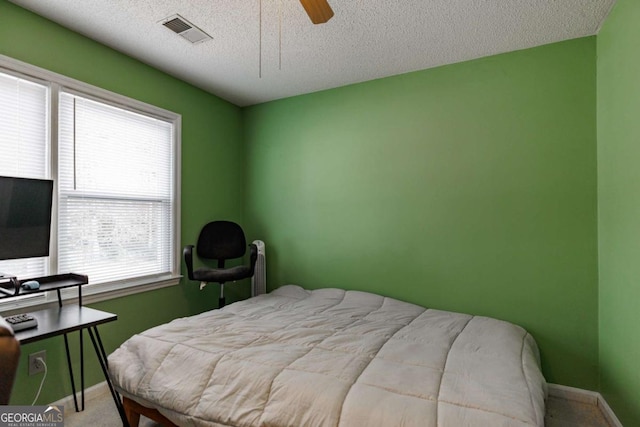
<point>19,322</point>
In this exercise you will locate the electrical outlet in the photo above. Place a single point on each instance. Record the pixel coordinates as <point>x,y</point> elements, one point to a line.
<point>35,366</point>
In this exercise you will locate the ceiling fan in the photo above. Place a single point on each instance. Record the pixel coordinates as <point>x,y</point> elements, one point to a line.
<point>319,11</point>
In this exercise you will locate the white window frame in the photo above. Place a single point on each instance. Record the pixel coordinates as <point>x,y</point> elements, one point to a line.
<point>95,292</point>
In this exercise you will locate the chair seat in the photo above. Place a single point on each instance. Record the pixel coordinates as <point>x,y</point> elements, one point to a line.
<point>220,275</point>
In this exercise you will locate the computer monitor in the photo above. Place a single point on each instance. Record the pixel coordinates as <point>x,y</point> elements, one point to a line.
<point>25,217</point>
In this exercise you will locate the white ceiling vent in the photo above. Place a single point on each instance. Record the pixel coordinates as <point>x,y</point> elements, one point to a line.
<point>186,29</point>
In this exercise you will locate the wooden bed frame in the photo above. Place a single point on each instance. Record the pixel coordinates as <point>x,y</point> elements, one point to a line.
<point>133,410</point>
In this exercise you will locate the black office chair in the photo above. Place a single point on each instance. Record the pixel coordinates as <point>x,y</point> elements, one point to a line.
<point>220,240</point>
<point>9,360</point>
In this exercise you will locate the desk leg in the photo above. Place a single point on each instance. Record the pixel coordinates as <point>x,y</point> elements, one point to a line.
<point>73,382</point>
<point>81,367</point>
<point>101,355</point>
<point>102,352</point>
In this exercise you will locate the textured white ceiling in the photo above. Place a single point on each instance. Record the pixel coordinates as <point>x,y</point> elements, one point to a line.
<point>365,40</point>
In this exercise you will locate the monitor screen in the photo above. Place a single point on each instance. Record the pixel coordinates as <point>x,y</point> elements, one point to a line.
<point>25,217</point>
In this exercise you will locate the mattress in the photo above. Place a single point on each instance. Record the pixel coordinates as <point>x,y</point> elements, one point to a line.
<point>331,357</point>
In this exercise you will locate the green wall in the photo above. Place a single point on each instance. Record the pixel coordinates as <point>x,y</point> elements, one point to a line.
<point>619,209</point>
<point>212,175</point>
<point>470,187</point>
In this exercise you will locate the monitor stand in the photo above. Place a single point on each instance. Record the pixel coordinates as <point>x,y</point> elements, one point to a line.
<point>4,280</point>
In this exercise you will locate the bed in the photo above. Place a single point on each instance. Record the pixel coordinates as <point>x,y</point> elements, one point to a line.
<point>331,357</point>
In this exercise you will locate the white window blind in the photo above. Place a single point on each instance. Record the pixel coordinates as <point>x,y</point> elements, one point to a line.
<point>115,191</point>
<point>24,147</point>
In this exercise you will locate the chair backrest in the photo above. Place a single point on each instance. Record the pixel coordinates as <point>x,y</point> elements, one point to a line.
<point>9,359</point>
<point>221,240</point>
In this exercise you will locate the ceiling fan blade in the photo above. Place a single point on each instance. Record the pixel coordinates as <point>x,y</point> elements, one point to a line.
<point>318,10</point>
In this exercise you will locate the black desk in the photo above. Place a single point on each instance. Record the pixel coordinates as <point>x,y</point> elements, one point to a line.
<point>61,320</point>
<point>69,318</point>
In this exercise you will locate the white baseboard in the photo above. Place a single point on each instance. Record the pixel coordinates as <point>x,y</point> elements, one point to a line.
<point>585,396</point>
<point>93,392</point>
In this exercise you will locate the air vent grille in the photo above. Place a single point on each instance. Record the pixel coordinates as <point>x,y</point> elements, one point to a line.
<point>185,29</point>
<point>177,25</point>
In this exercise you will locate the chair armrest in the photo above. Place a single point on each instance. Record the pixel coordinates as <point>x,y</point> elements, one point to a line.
<point>9,359</point>
<point>253,257</point>
<point>188,260</point>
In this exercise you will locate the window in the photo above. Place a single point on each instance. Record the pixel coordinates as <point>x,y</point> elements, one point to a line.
<point>115,164</point>
<point>24,145</point>
<point>115,191</point>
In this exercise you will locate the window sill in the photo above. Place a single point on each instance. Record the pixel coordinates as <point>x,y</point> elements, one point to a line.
<point>90,294</point>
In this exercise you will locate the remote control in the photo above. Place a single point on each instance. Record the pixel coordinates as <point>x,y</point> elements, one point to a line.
<point>19,322</point>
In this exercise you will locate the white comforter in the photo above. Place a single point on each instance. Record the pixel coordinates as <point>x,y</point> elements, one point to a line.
<point>334,358</point>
